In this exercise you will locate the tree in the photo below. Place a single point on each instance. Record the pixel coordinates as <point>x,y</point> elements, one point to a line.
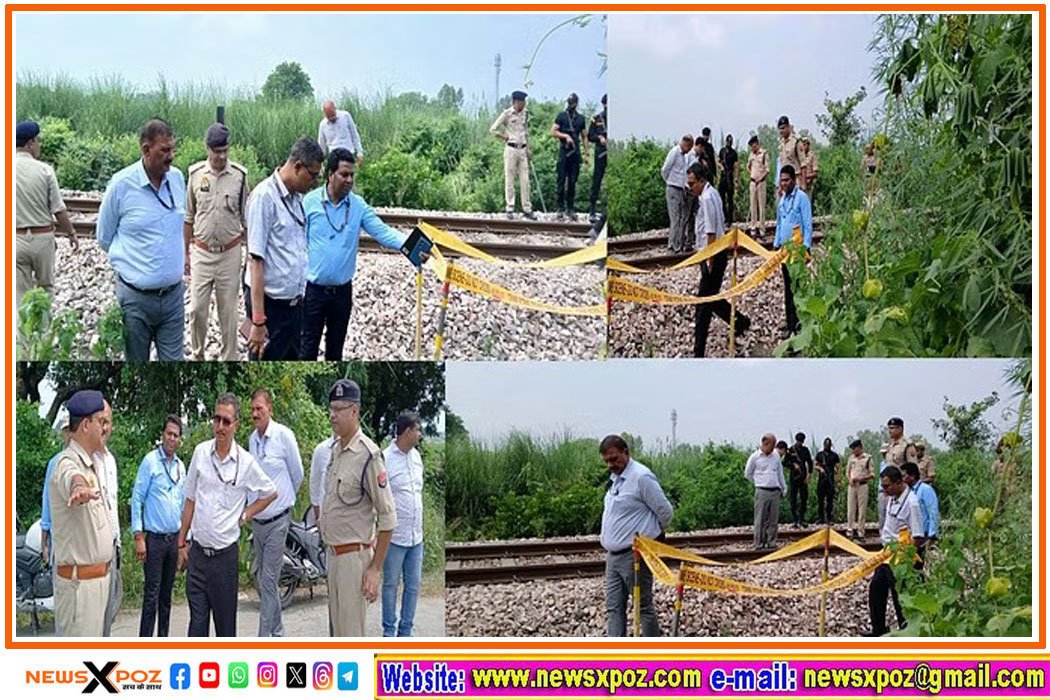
<point>965,427</point>
<point>840,125</point>
<point>288,81</point>
<point>450,98</point>
<point>454,425</point>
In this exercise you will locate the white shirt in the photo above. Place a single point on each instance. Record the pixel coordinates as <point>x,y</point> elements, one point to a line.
<point>673,170</point>
<point>634,503</point>
<point>106,465</point>
<point>405,472</point>
<point>902,511</point>
<point>342,133</point>
<point>318,469</point>
<point>277,452</point>
<point>764,471</point>
<point>219,490</point>
<point>709,216</point>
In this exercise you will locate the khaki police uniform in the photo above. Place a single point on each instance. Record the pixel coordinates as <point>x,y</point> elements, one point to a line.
<point>809,172</point>
<point>515,155</point>
<point>82,538</point>
<point>37,200</point>
<point>900,451</point>
<point>927,468</point>
<point>758,171</point>
<point>357,502</point>
<point>857,495</point>
<point>791,153</point>
<point>215,205</point>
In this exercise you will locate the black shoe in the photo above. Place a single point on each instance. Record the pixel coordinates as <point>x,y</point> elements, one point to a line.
<point>560,216</point>
<point>530,216</point>
<point>572,215</point>
<point>510,215</point>
<point>743,325</point>
<point>869,633</point>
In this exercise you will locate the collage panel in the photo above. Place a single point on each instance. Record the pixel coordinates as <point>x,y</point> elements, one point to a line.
<point>870,197</point>
<point>788,498</point>
<point>229,499</point>
<point>279,206</point>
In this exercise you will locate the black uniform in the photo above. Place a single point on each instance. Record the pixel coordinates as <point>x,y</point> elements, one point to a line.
<point>569,159</point>
<point>598,128</point>
<point>829,459</point>
<point>726,186</point>
<point>800,461</point>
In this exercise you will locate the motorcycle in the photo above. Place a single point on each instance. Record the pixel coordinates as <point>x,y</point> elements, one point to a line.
<point>304,559</point>
<point>33,586</point>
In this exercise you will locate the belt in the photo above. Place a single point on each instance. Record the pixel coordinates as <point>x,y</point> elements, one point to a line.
<point>348,548</point>
<point>286,302</point>
<point>768,488</point>
<point>209,552</point>
<point>166,536</point>
<point>36,229</point>
<point>218,248</point>
<point>618,552</point>
<point>330,288</point>
<point>267,521</point>
<point>163,291</point>
<point>517,145</point>
<point>84,572</point>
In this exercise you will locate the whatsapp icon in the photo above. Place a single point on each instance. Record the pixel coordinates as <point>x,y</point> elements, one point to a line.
<point>238,674</point>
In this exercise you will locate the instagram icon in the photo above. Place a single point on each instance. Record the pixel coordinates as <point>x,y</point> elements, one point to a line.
<point>266,675</point>
<point>323,675</point>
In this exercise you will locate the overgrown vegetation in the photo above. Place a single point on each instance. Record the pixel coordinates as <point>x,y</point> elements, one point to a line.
<point>420,151</point>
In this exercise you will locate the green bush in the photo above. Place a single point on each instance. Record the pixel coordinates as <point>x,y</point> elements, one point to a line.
<point>634,188</point>
<point>36,444</point>
<point>55,136</point>
<point>89,163</point>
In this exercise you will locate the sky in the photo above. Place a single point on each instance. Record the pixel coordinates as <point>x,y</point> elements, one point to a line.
<point>732,401</point>
<point>673,74</point>
<point>368,53</point>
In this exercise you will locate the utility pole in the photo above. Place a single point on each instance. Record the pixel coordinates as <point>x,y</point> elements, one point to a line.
<point>674,430</point>
<point>498,63</point>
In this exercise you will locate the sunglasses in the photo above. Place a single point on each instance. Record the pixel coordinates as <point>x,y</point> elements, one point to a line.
<point>226,422</point>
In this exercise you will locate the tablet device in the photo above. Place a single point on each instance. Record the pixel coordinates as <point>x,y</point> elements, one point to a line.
<point>416,246</point>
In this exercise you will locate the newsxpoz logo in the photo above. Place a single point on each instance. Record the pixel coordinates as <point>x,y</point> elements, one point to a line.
<point>109,677</point>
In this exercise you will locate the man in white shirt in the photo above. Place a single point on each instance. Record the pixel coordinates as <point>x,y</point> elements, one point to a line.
<point>903,512</point>
<point>337,130</point>
<point>710,226</point>
<point>673,173</point>
<point>634,504</point>
<point>221,477</point>
<point>107,469</point>
<point>764,471</point>
<point>276,450</point>
<point>318,468</point>
<point>404,468</point>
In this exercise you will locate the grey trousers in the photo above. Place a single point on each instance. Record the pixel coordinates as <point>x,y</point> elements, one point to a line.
<point>883,500</point>
<point>619,583</point>
<point>116,592</point>
<point>678,213</point>
<point>767,515</point>
<point>268,541</point>
<point>150,319</point>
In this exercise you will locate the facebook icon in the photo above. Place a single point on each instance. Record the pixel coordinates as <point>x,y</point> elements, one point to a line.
<point>180,676</point>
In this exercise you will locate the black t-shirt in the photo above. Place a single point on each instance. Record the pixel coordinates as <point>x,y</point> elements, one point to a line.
<point>829,459</point>
<point>792,466</point>
<point>805,457</point>
<point>728,158</point>
<point>599,127</point>
<point>572,125</point>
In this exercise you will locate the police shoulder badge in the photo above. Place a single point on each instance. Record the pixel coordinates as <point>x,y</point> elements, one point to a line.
<point>205,185</point>
<point>381,479</point>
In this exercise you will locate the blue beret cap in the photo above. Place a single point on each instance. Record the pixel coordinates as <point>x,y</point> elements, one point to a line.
<point>345,390</point>
<point>518,95</point>
<point>85,403</point>
<point>26,131</point>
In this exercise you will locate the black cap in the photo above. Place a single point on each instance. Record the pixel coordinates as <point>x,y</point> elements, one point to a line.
<point>783,121</point>
<point>25,132</point>
<point>572,98</point>
<point>85,403</point>
<point>855,444</point>
<point>800,437</point>
<point>706,131</point>
<point>518,95</point>
<point>899,422</point>
<point>217,136</point>
<point>345,390</point>
<point>753,139</point>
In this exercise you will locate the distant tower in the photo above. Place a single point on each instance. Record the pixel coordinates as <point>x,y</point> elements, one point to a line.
<point>674,429</point>
<point>499,62</point>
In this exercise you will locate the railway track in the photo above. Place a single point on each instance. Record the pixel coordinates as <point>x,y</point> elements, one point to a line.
<point>520,568</point>
<point>399,219</point>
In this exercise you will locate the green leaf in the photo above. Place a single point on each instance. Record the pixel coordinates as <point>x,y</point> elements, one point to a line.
<point>816,307</point>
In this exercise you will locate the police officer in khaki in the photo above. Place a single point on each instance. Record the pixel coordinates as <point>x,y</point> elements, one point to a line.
<point>38,205</point>
<point>925,463</point>
<point>80,525</point>
<point>216,192</point>
<point>357,502</point>
<point>859,472</point>
<point>511,126</point>
<point>757,171</point>
<point>898,450</point>
<point>790,148</point>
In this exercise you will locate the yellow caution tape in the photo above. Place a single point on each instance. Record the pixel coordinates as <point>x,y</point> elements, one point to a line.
<point>592,253</point>
<point>812,541</point>
<point>666,551</point>
<point>698,578</point>
<point>621,289</point>
<point>734,237</point>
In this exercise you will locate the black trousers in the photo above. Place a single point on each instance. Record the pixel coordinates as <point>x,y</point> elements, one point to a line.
<point>284,327</point>
<point>162,561</point>
<point>825,500</point>
<point>711,283</point>
<point>882,587</point>
<point>600,160</point>
<point>568,172</point>
<point>790,314</point>
<point>798,492</point>
<point>725,188</point>
<point>326,307</point>
<point>211,590</point>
